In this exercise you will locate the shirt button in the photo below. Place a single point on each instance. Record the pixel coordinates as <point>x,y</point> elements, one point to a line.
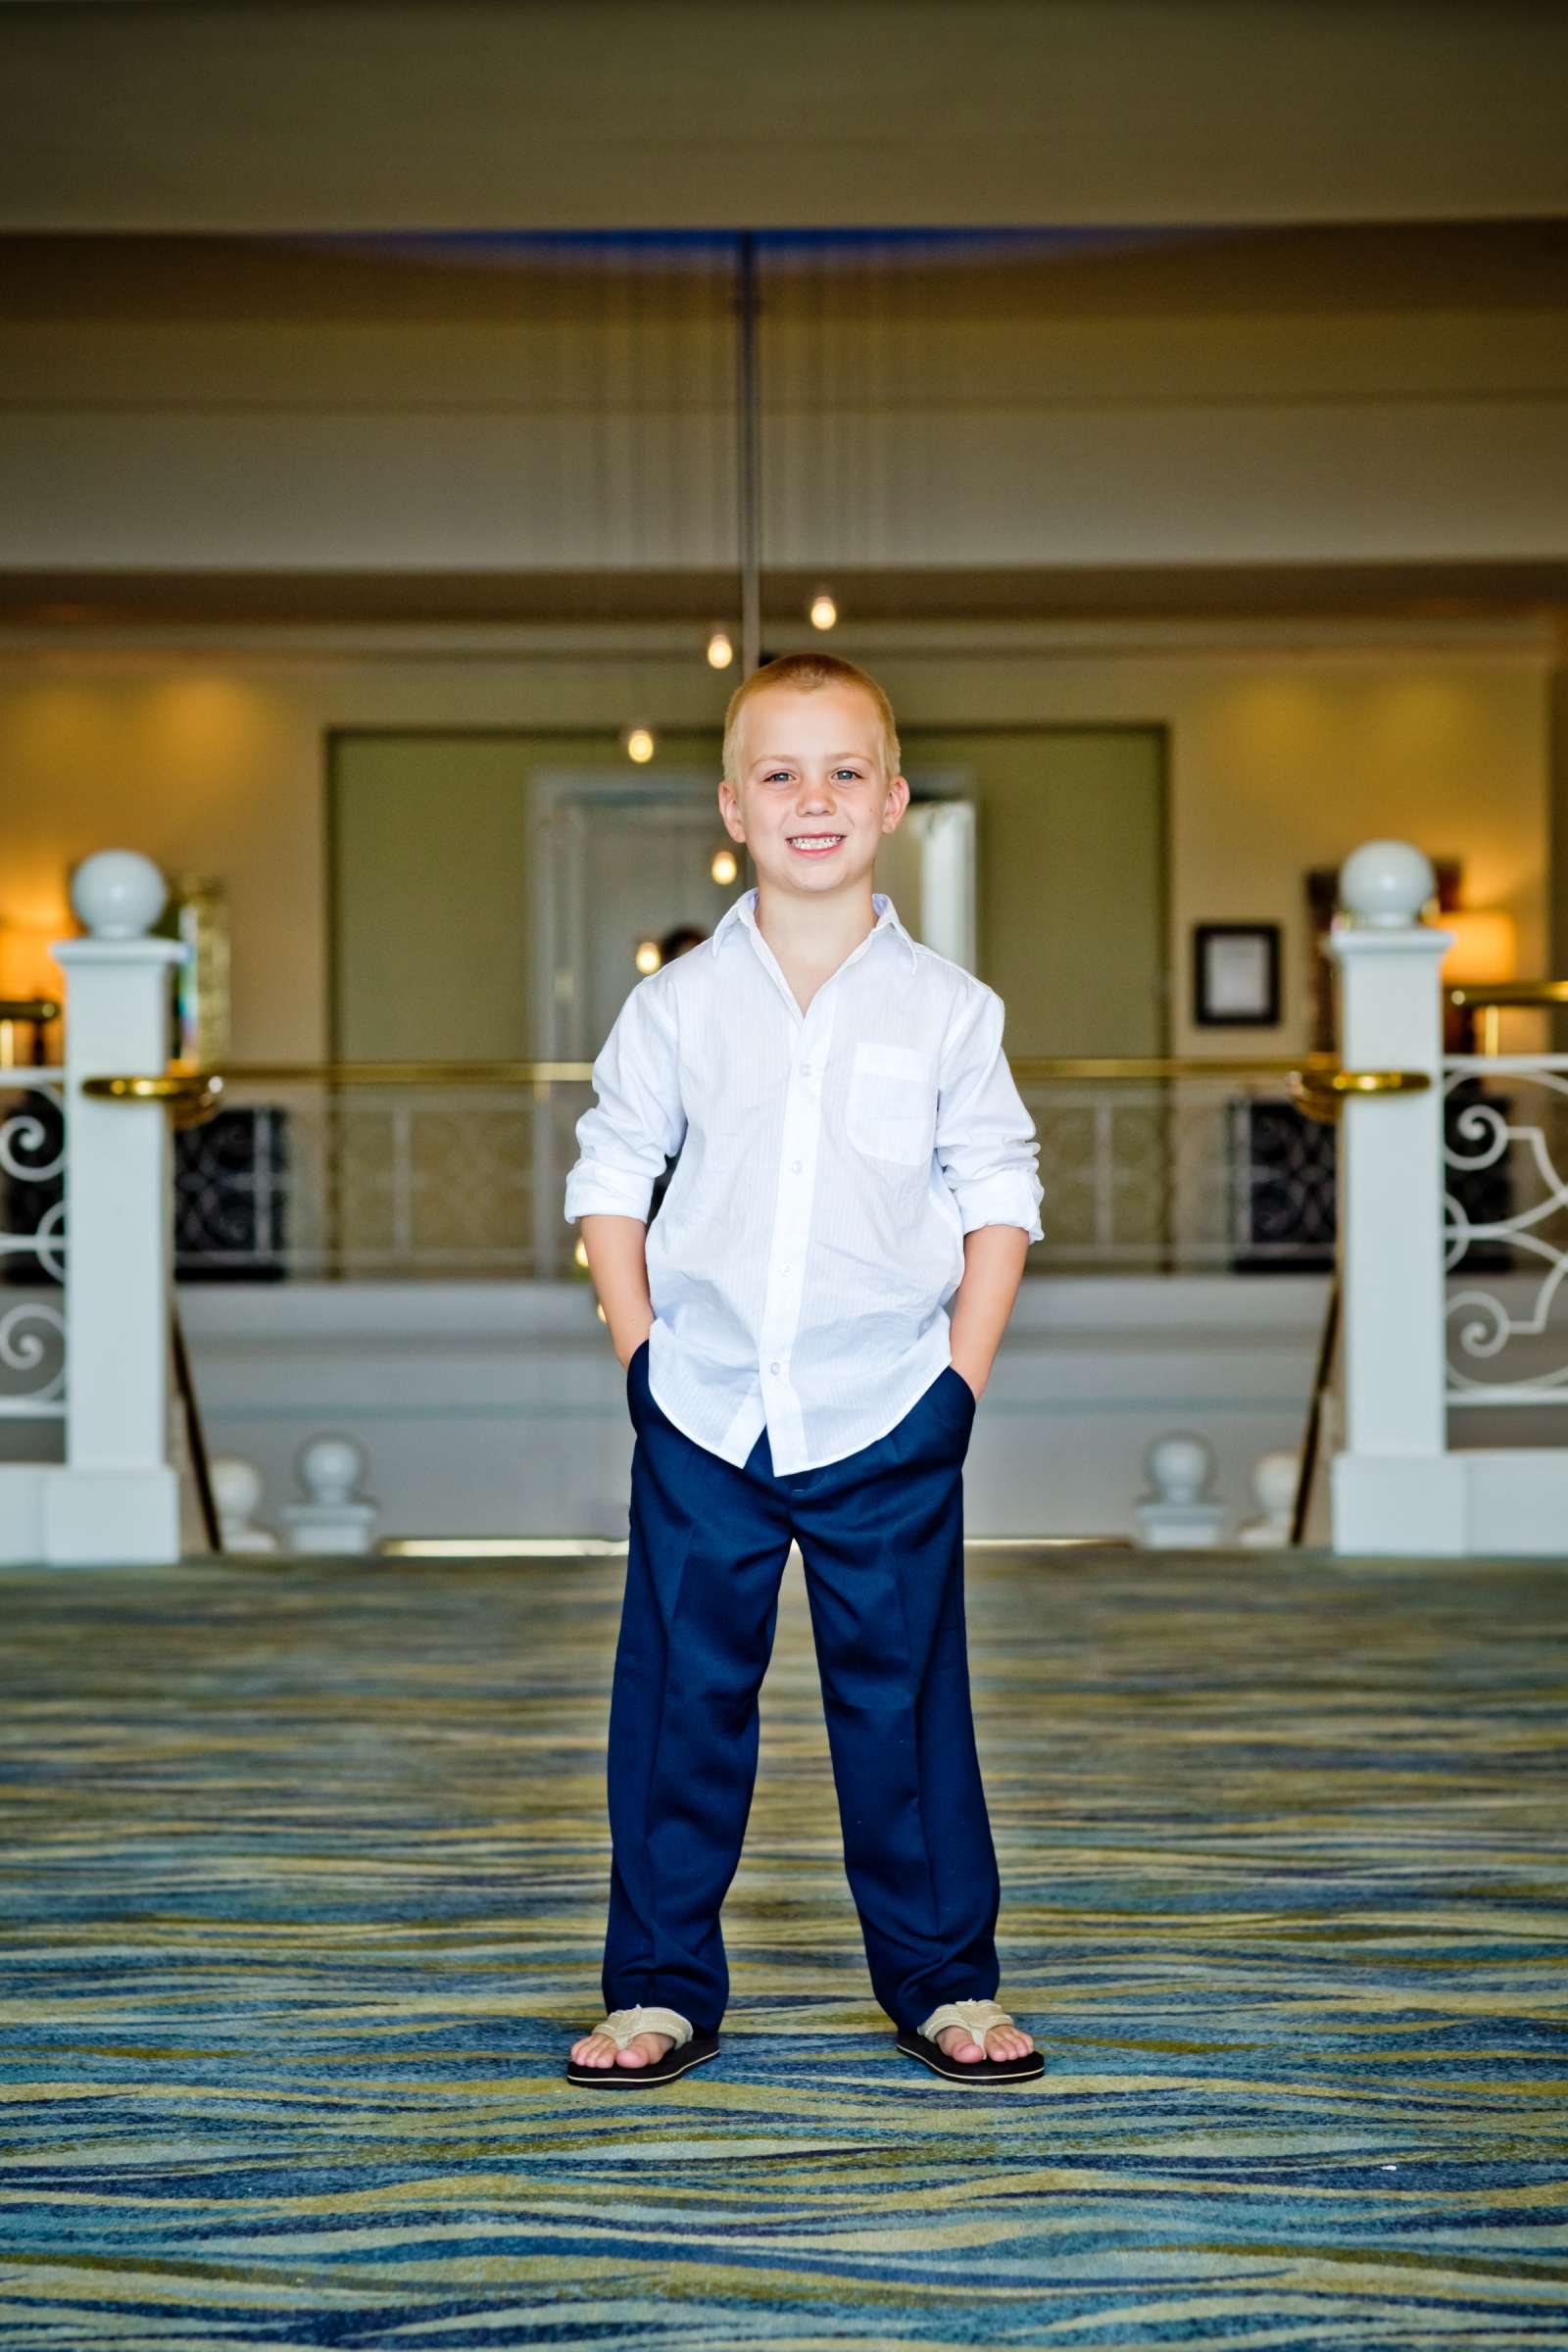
<point>773,1367</point>
<point>795,1166</point>
<point>805,1069</point>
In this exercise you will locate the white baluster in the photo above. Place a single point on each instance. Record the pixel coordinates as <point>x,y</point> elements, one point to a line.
<point>333,1518</point>
<point>1274,1482</point>
<point>118,1497</point>
<point>1395,1489</point>
<point>237,1492</point>
<point>1179,1514</point>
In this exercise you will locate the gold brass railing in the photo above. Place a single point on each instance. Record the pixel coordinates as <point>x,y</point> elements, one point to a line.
<point>407,1073</point>
<point>1492,998</point>
<point>1316,1083</point>
<point>1323,1093</point>
<point>192,1094</point>
<point>36,1012</point>
<point>1036,1069</point>
<point>1032,1068</point>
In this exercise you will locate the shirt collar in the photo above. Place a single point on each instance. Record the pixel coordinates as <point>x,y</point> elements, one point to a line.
<point>744,910</point>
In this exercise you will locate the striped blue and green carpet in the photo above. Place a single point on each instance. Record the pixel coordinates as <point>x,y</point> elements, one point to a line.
<point>304,1879</point>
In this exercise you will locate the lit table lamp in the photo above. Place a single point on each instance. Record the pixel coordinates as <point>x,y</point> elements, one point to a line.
<point>1485,949</point>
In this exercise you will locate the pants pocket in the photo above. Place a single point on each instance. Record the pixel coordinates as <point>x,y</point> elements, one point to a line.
<point>955,1401</point>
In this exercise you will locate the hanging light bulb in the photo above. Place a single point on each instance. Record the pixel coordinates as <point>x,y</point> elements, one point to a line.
<point>720,650</point>
<point>648,957</point>
<point>824,611</point>
<point>639,744</point>
<point>724,867</point>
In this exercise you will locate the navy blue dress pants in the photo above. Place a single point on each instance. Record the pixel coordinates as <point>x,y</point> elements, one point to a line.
<point>881,1535</point>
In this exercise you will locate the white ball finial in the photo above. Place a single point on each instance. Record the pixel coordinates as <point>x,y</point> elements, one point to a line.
<point>236,1485</point>
<point>1180,1513</point>
<point>1179,1467</point>
<point>118,894</point>
<point>329,1468</point>
<point>1274,1477</point>
<point>332,1518</point>
<point>1385,884</point>
<point>236,1492</point>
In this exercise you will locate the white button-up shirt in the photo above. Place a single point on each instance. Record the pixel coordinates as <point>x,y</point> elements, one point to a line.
<point>831,1162</point>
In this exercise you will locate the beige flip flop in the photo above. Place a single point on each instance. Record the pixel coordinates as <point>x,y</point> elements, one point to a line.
<point>690,2046</point>
<point>976,2017</point>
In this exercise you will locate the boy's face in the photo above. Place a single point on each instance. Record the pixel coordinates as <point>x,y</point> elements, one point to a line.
<point>814,801</point>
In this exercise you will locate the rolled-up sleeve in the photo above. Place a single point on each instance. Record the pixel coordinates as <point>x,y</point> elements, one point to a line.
<point>986,1140</point>
<point>637,1123</point>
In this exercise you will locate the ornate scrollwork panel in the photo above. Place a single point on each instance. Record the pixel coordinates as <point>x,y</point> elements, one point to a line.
<point>32,1243</point>
<point>1505,1216</point>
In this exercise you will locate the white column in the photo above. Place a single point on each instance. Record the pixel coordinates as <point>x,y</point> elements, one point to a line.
<point>116,1500</point>
<point>1395,1488</point>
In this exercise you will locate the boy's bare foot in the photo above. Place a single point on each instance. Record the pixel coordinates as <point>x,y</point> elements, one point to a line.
<point>1001,2041</point>
<point>644,2049</point>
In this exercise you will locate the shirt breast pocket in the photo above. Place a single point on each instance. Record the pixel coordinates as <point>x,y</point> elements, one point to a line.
<point>891,1110</point>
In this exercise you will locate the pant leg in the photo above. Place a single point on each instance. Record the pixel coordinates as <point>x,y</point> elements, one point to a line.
<point>882,1537</point>
<point>708,1548</point>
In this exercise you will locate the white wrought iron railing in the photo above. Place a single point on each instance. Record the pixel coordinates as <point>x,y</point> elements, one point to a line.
<point>32,1246</point>
<point>1452,1248</point>
<point>442,1171</point>
<point>1506,1228</point>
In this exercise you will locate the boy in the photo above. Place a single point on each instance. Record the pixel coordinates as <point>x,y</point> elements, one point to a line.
<point>854,1156</point>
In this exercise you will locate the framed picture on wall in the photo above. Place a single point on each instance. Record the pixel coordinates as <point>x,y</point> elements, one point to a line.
<point>1236,976</point>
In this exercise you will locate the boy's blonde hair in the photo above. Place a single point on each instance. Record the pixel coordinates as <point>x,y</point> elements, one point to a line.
<point>805,672</point>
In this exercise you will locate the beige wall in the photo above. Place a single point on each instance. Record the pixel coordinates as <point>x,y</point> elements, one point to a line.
<point>433,894</point>
<point>1071,832</point>
<point>435,899</point>
<point>1280,759</point>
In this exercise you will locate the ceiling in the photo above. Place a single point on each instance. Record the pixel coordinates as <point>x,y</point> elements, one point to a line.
<point>244,116</point>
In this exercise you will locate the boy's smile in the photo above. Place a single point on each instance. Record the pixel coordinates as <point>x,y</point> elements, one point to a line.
<point>813,799</point>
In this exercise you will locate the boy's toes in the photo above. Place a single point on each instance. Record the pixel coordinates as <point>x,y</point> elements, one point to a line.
<point>644,2049</point>
<point>1001,2041</point>
<point>601,2049</point>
